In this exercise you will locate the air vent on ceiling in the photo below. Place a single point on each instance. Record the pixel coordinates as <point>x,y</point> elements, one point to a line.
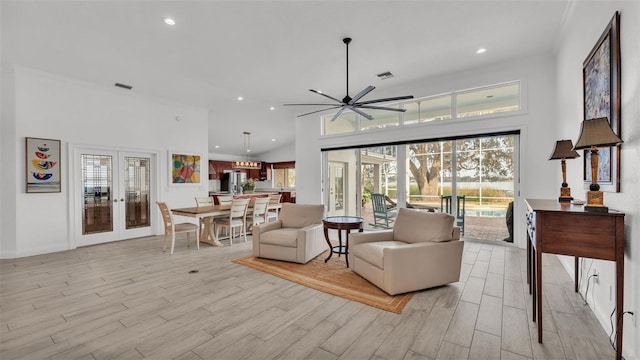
<point>124,86</point>
<point>385,75</point>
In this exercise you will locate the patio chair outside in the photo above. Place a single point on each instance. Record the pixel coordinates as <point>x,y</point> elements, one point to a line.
<point>382,215</point>
<point>445,206</point>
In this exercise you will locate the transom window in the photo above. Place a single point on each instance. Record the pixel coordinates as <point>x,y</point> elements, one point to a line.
<point>467,104</point>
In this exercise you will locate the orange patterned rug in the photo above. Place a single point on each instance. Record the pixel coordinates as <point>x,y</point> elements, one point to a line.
<point>332,278</point>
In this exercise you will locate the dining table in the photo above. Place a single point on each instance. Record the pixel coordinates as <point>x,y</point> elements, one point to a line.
<point>207,213</point>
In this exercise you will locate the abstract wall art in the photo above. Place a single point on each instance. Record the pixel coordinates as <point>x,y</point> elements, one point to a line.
<point>185,168</point>
<point>43,165</point>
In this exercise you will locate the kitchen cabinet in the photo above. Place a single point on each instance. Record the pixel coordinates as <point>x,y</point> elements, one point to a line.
<point>288,196</point>
<point>265,172</point>
<point>217,168</point>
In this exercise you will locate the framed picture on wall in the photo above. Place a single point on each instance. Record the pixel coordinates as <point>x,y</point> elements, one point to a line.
<point>601,90</point>
<point>42,165</point>
<point>185,168</point>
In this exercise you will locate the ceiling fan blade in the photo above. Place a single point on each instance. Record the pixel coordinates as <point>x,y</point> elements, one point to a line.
<point>380,108</point>
<point>386,99</point>
<point>338,113</point>
<point>325,95</point>
<point>311,104</point>
<point>361,113</point>
<point>361,94</point>
<point>317,111</point>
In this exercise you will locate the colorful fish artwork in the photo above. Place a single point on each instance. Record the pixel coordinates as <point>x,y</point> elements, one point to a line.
<point>43,165</point>
<point>42,176</point>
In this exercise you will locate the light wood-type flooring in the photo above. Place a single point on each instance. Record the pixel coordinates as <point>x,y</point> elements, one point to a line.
<point>128,300</point>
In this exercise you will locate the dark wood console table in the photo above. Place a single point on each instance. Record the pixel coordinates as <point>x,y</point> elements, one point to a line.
<point>566,229</point>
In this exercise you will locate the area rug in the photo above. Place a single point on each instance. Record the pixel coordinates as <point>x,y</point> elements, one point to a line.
<point>332,278</point>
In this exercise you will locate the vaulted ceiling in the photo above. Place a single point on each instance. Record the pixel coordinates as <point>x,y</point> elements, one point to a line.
<point>269,52</point>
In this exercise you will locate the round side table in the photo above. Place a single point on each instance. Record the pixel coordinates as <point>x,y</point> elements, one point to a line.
<point>346,223</point>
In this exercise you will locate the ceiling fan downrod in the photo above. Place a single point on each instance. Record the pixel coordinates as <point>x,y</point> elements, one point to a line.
<point>347,98</point>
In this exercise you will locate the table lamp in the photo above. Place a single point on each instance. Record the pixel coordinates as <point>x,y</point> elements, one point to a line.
<point>564,150</point>
<point>594,133</point>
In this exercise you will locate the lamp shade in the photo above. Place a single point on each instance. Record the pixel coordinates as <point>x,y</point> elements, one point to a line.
<point>596,132</point>
<point>564,150</point>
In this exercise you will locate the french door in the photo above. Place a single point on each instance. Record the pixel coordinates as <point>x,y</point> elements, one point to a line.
<point>337,195</point>
<point>114,195</point>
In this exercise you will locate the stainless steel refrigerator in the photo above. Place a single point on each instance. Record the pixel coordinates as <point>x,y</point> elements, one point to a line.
<point>232,181</point>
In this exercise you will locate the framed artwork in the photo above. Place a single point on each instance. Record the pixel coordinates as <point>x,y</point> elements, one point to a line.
<point>185,168</point>
<point>601,90</point>
<point>43,165</point>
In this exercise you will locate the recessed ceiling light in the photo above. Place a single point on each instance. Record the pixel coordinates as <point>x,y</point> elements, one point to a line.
<point>273,139</point>
<point>272,108</point>
<point>217,146</point>
<point>240,98</point>
<point>319,91</point>
<point>169,21</point>
<point>481,51</point>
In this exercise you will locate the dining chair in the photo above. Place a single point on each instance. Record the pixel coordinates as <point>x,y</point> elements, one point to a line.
<point>170,227</point>
<point>274,199</point>
<point>235,219</point>
<point>204,201</point>
<point>225,200</point>
<point>259,213</point>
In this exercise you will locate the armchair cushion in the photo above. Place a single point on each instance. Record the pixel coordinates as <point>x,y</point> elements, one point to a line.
<point>373,252</point>
<point>299,215</point>
<point>420,226</point>
<point>284,237</point>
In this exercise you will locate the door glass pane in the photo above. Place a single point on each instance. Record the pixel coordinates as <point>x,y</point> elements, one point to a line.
<point>429,173</point>
<point>339,187</point>
<point>137,192</point>
<point>97,183</point>
<point>379,167</point>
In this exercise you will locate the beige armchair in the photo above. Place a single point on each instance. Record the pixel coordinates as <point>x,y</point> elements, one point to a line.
<point>296,236</point>
<point>422,250</point>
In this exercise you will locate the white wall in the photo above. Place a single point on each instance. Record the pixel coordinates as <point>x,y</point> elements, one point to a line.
<point>84,114</point>
<point>535,122</point>
<point>583,29</point>
<point>286,152</point>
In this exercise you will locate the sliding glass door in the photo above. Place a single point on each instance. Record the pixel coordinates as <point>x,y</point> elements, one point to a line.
<point>472,178</point>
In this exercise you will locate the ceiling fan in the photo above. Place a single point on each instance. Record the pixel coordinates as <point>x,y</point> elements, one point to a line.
<point>353,103</point>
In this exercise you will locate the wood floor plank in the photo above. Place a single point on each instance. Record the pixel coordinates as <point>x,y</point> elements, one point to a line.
<point>128,299</point>
<point>363,347</point>
<point>473,289</point>
<point>452,351</point>
<point>462,324</point>
<point>301,348</point>
<point>347,334</point>
<point>429,338</point>
<point>490,315</point>
<point>485,346</point>
<point>515,332</point>
<point>396,345</point>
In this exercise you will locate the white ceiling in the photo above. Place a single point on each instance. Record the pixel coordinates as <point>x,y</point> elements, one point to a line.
<point>269,52</point>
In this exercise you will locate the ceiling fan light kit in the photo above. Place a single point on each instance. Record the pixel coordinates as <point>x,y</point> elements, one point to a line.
<point>354,104</point>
